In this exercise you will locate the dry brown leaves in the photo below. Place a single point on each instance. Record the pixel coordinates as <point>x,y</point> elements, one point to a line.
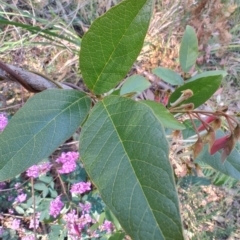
<point>210,18</point>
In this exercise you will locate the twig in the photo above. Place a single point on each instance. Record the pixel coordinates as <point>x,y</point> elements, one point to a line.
<point>33,82</point>
<point>16,77</point>
<point>34,209</point>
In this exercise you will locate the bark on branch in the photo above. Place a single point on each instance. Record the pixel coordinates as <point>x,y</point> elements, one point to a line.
<point>33,82</point>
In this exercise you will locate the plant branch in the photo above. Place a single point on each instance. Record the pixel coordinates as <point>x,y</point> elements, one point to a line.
<point>33,82</point>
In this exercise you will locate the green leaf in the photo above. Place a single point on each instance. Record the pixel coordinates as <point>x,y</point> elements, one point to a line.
<point>230,167</point>
<point>45,192</point>
<point>168,76</point>
<point>208,74</point>
<point>117,236</point>
<point>135,84</point>
<point>110,217</point>
<point>125,152</point>
<point>203,89</point>
<point>46,179</point>
<point>40,186</point>
<point>112,44</point>
<point>188,53</point>
<point>39,127</point>
<point>163,115</point>
<point>19,210</point>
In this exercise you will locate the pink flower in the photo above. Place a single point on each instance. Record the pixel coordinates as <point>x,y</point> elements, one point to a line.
<point>10,211</point>
<point>10,198</point>
<point>3,121</point>
<point>33,171</point>
<point>21,198</point>
<point>16,224</point>
<point>74,226</point>
<point>17,186</point>
<point>44,168</point>
<point>85,219</point>
<point>81,187</point>
<point>31,225</point>
<point>68,162</point>
<point>107,226</point>
<point>2,185</point>
<point>36,170</point>
<point>1,230</point>
<point>71,217</point>
<point>56,206</point>
<point>85,207</point>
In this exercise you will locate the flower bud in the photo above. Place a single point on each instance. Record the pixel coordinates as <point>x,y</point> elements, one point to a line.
<point>189,107</point>
<point>184,107</point>
<point>220,143</point>
<point>228,147</point>
<point>197,147</point>
<point>186,94</point>
<point>208,120</point>
<point>236,132</point>
<point>209,137</point>
<point>226,143</point>
<point>216,124</point>
<point>176,133</point>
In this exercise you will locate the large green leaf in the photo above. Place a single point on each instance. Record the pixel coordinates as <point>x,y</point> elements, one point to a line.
<point>39,127</point>
<point>125,152</point>
<point>188,53</point>
<point>168,76</point>
<point>112,44</point>
<point>163,115</point>
<point>230,167</point>
<point>203,89</point>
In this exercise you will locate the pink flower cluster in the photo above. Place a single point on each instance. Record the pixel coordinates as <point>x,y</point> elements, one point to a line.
<point>21,198</point>
<point>16,224</point>
<point>75,225</point>
<point>3,121</point>
<point>2,185</point>
<point>1,230</point>
<point>37,170</point>
<point>68,162</point>
<point>56,206</point>
<point>107,226</point>
<point>85,207</point>
<point>34,224</point>
<point>81,187</point>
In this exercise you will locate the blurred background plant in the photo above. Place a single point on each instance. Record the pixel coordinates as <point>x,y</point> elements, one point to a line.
<point>45,36</point>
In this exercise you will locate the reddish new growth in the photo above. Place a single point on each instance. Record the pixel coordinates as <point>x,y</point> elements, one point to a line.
<point>225,143</point>
<point>210,124</point>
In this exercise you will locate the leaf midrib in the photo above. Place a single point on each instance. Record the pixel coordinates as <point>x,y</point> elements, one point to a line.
<point>137,182</point>
<point>114,50</point>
